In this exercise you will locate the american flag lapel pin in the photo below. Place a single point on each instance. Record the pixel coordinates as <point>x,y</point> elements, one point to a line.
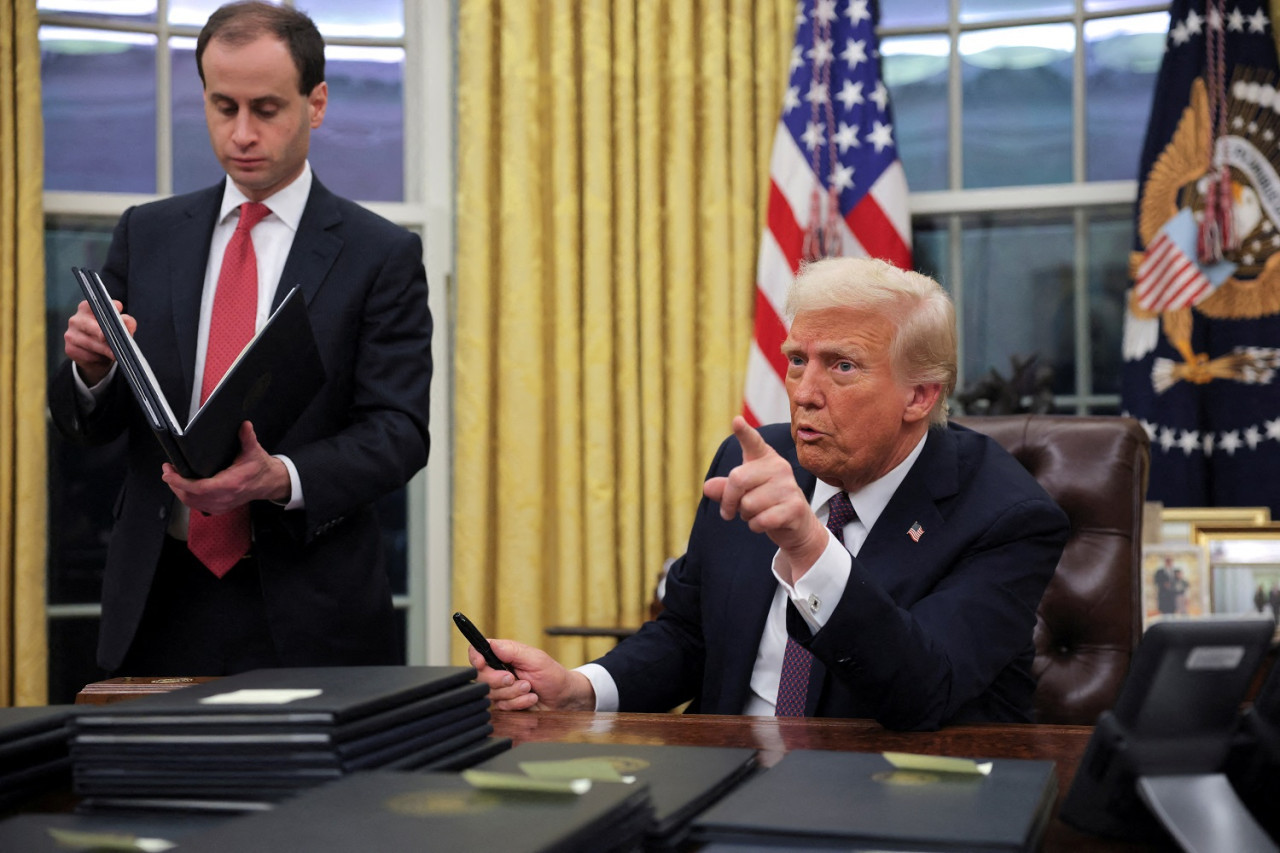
<point>915,532</point>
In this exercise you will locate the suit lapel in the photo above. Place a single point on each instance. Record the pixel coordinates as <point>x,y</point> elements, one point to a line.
<point>315,246</point>
<point>890,549</point>
<point>185,284</point>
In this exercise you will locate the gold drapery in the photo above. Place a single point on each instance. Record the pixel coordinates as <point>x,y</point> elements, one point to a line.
<point>612,181</point>
<point>23,646</point>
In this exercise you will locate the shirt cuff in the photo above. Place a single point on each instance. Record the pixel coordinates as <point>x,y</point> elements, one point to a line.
<point>295,485</point>
<point>87,396</point>
<point>602,681</point>
<point>816,594</point>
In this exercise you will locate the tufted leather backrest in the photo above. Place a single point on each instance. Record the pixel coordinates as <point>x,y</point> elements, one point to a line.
<point>1088,623</point>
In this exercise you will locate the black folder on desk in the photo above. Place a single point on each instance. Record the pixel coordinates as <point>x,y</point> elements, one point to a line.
<point>269,384</point>
<point>396,811</point>
<point>682,780</point>
<point>823,799</point>
<point>329,698</point>
<point>33,751</point>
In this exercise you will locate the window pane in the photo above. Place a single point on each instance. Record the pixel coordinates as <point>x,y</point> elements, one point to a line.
<point>383,19</point>
<point>913,13</point>
<point>974,11</point>
<point>915,72</point>
<point>83,481</point>
<point>929,249</point>
<point>1018,296</point>
<point>122,11</point>
<point>1017,105</point>
<point>1110,241</point>
<point>99,104</point>
<point>359,150</point>
<point>194,165</point>
<point>1122,59</point>
<point>192,13</point>
<point>1113,5</point>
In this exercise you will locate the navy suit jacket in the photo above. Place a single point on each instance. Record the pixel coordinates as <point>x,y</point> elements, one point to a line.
<point>325,587</point>
<point>927,632</point>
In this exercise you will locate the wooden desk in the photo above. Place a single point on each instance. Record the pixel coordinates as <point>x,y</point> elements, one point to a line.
<point>774,737</point>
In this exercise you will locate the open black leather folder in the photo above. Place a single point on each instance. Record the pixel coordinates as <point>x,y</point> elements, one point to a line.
<point>269,384</point>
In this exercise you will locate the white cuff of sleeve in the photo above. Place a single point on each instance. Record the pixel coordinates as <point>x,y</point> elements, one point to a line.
<point>815,595</point>
<point>295,484</point>
<point>602,682</point>
<point>89,396</point>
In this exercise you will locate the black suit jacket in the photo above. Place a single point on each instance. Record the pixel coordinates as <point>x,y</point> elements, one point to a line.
<point>927,633</point>
<point>324,584</point>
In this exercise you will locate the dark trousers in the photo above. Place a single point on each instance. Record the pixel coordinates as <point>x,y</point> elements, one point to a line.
<point>198,624</point>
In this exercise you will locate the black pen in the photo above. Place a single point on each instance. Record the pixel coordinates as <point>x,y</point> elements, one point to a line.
<point>480,644</point>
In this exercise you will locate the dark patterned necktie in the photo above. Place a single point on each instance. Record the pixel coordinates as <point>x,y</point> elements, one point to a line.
<point>793,688</point>
<point>219,541</point>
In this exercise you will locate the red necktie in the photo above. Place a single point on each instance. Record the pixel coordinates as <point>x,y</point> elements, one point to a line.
<point>793,688</point>
<point>219,541</point>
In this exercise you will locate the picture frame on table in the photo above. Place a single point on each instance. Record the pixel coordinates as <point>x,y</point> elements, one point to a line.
<point>1178,522</point>
<point>1244,569</point>
<point>1175,582</point>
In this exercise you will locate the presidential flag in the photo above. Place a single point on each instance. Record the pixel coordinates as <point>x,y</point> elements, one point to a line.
<point>836,186</point>
<point>1202,322</point>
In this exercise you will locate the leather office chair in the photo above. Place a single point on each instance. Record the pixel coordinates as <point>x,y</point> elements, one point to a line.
<point>1089,621</point>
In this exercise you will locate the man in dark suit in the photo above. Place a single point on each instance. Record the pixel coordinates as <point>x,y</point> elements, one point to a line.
<point>298,579</point>
<point>916,604</point>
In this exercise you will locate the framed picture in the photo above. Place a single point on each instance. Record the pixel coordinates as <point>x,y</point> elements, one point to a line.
<point>1244,569</point>
<point>1177,523</point>
<point>1174,582</point>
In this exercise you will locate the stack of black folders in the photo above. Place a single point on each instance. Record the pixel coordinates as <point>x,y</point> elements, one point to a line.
<point>270,383</point>
<point>33,751</point>
<point>389,811</point>
<point>848,800</point>
<point>682,780</point>
<point>244,742</point>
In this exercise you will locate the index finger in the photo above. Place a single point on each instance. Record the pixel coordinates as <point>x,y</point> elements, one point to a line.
<point>753,445</point>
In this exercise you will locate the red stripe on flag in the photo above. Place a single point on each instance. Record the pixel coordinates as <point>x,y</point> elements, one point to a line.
<point>770,333</point>
<point>787,232</point>
<point>876,233</point>
<point>750,416</point>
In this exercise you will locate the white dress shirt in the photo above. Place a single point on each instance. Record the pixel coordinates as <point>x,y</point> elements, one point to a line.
<point>815,595</point>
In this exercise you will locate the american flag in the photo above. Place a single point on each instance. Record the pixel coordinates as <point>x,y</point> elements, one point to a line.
<point>1170,277</point>
<point>836,184</point>
<point>915,532</point>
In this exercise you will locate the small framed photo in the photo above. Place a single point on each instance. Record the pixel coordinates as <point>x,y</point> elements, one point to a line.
<point>1174,582</point>
<point>1244,569</point>
<point>1177,523</point>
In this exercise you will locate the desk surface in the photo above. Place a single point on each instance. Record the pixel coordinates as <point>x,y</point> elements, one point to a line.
<point>774,737</point>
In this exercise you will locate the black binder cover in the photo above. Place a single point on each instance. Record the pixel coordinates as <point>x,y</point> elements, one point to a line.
<point>394,811</point>
<point>18,724</point>
<point>270,383</point>
<point>148,737</point>
<point>345,694</point>
<point>682,780</point>
<point>816,798</point>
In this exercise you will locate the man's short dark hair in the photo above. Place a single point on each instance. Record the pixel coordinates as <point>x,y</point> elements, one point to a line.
<point>238,24</point>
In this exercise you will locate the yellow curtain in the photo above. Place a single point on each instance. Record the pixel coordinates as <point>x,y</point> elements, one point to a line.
<point>612,179</point>
<point>23,648</point>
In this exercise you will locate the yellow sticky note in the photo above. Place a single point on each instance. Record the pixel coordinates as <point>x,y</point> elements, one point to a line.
<point>596,769</point>
<point>937,763</point>
<point>491,781</point>
<point>78,840</point>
